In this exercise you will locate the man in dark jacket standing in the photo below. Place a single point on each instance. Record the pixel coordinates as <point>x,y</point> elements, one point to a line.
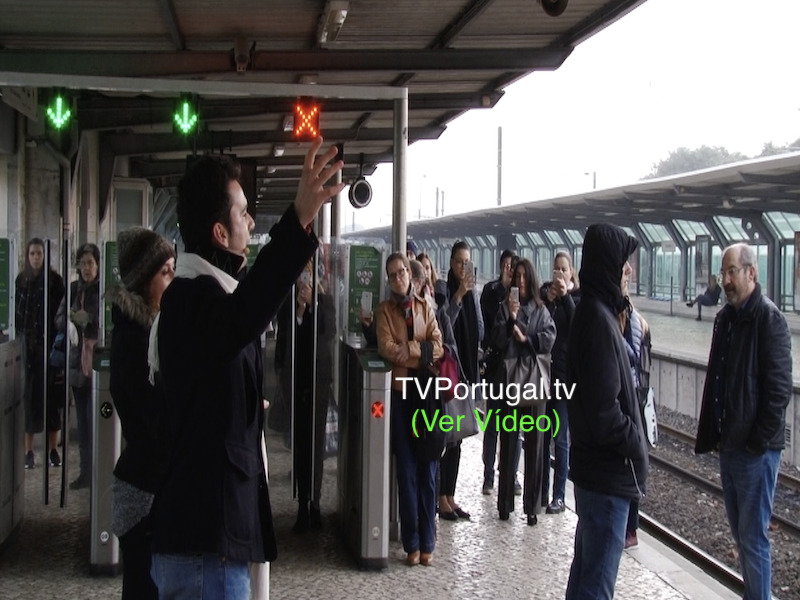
<point>212,516</point>
<point>608,460</point>
<point>747,389</point>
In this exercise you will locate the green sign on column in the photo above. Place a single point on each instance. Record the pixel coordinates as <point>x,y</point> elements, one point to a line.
<point>366,270</point>
<point>112,278</point>
<point>5,283</point>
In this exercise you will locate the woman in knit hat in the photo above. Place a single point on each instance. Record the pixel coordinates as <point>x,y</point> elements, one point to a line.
<point>147,266</point>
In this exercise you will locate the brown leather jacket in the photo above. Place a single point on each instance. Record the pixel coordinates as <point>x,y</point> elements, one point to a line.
<point>392,331</point>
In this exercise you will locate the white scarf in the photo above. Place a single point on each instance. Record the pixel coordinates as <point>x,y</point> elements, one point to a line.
<point>189,266</point>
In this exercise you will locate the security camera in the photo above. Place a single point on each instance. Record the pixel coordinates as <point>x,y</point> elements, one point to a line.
<point>360,193</point>
<point>241,55</point>
<point>554,8</point>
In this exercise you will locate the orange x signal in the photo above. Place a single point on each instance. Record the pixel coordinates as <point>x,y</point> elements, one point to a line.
<point>306,121</point>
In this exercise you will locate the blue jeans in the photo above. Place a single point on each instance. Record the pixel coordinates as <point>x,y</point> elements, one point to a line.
<point>200,577</point>
<point>599,541</point>
<point>561,440</point>
<point>416,483</point>
<point>490,445</point>
<point>748,486</point>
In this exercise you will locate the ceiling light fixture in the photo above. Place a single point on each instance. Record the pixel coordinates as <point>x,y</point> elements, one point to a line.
<point>330,24</point>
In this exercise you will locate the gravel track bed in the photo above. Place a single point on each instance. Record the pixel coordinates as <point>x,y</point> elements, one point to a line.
<point>700,517</point>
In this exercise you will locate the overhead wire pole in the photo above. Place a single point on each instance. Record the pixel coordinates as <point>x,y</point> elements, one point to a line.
<point>499,166</point>
<point>399,228</point>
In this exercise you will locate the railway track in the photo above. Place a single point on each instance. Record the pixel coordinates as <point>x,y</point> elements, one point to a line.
<point>710,565</point>
<point>785,480</point>
<point>714,488</point>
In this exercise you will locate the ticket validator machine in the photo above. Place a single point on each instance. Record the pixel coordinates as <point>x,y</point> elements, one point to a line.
<point>364,457</point>
<point>106,440</point>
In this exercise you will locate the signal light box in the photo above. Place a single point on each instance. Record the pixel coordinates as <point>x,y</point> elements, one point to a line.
<point>306,120</point>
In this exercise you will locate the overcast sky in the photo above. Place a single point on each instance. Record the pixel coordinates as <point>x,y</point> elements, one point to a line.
<point>671,73</point>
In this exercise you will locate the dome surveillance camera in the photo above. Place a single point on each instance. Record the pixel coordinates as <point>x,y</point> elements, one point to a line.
<point>554,8</point>
<point>360,193</point>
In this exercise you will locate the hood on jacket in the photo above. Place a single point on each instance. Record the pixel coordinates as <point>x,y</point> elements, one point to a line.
<point>606,247</point>
<point>132,305</point>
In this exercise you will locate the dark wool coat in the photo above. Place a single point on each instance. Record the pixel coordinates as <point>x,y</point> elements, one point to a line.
<point>215,497</point>
<point>562,311</point>
<point>757,380</point>
<point>29,310</point>
<point>143,460</point>
<point>608,453</point>
<point>83,296</point>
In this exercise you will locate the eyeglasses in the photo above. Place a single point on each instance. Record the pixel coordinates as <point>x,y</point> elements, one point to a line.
<point>86,262</point>
<point>397,275</point>
<point>731,272</point>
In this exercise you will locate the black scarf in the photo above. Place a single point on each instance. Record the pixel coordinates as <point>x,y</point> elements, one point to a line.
<point>465,329</point>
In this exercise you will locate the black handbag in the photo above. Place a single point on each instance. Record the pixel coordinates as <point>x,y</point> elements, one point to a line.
<point>428,443</point>
<point>529,369</point>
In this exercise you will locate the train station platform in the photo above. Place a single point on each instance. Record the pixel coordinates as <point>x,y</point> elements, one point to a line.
<point>675,330</point>
<point>480,558</point>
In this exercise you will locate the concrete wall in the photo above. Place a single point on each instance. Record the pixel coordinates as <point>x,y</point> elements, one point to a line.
<point>678,383</point>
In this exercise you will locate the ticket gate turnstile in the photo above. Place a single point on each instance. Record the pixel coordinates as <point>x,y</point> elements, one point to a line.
<point>364,456</point>
<point>106,445</point>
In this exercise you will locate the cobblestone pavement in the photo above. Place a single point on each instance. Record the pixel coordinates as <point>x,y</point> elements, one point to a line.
<point>480,558</point>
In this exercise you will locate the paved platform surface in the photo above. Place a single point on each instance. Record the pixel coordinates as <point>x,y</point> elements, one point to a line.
<point>480,558</point>
<point>675,330</point>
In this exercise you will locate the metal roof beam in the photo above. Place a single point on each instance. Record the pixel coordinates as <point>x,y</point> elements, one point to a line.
<point>461,22</point>
<point>162,168</point>
<point>792,179</point>
<point>153,143</point>
<point>98,112</point>
<point>170,64</point>
<point>168,11</point>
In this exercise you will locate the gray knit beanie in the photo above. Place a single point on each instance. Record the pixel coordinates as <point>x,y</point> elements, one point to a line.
<point>141,254</point>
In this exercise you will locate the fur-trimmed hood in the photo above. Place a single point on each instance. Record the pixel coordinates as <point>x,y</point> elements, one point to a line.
<point>132,305</point>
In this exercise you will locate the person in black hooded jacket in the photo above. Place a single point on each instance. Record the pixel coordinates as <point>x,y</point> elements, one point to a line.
<point>147,266</point>
<point>608,456</point>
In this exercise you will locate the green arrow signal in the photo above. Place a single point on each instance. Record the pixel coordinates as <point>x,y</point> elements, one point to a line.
<point>59,114</point>
<point>185,119</point>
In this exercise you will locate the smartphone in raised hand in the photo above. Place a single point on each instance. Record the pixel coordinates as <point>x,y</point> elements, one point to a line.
<point>513,293</point>
<point>366,302</point>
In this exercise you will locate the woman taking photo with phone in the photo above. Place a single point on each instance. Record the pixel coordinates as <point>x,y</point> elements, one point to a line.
<point>523,327</point>
<point>560,297</point>
<point>463,307</point>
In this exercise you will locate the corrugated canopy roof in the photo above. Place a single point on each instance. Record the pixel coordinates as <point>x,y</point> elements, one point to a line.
<point>743,190</point>
<point>452,55</point>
